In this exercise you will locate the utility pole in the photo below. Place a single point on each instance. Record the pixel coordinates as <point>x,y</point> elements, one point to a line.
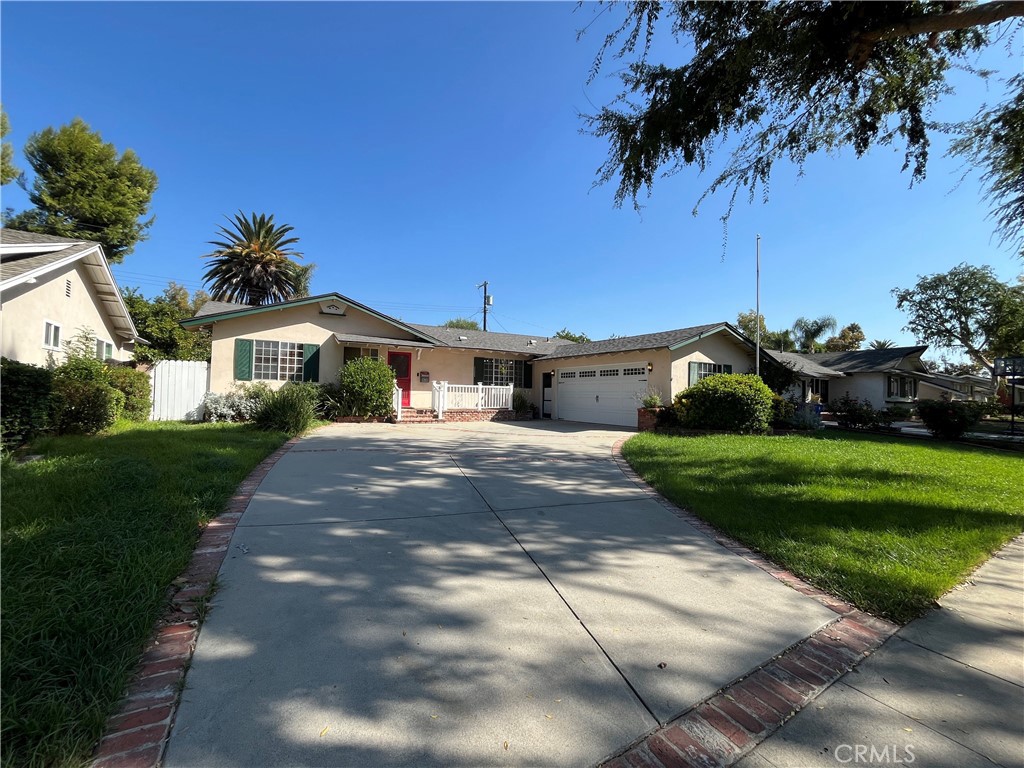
<point>757,311</point>
<point>488,301</point>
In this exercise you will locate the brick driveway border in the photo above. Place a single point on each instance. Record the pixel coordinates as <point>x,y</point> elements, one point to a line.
<point>729,724</point>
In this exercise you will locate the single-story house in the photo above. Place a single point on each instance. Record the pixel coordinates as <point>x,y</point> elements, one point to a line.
<point>885,377</point>
<point>601,382</point>
<point>51,288</point>
<point>309,339</point>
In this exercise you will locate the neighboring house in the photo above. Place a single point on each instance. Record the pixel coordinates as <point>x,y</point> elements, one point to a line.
<point>309,339</point>
<point>51,288</point>
<point>885,377</point>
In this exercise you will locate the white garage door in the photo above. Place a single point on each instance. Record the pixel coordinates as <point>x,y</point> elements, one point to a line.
<point>601,394</point>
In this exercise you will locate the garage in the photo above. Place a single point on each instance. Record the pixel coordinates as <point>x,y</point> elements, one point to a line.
<point>601,394</point>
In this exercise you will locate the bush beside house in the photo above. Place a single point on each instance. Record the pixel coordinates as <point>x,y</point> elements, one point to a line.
<point>25,398</point>
<point>730,402</point>
<point>950,419</point>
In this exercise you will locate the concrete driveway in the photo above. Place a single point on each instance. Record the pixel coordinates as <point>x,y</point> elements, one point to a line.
<point>466,595</point>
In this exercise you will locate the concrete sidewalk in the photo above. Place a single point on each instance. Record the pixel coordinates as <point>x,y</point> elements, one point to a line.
<point>946,690</point>
<point>466,595</point>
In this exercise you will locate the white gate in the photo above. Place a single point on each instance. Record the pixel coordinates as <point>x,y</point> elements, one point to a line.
<point>179,387</point>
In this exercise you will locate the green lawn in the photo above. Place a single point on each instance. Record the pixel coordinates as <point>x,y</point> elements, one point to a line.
<point>92,536</point>
<point>888,524</point>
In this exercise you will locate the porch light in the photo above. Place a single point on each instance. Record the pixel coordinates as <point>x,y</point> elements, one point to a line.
<point>650,367</point>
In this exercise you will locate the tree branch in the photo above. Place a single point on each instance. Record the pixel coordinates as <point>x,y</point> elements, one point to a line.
<point>935,23</point>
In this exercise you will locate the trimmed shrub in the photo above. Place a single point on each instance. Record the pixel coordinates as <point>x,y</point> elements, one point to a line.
<point>783,411</point>
<point>291,409</point>
<point>24,401</point>
<point>367,385</point>
<point>950,419</point>
<point>240,404</point>
<point>899,413</point>
<point>135,386</point>
<point>83,407</point>
<point>733,402</point>
<point>852,413</point>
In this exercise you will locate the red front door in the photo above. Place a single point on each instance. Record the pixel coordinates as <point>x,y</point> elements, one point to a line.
<point>401,364</point>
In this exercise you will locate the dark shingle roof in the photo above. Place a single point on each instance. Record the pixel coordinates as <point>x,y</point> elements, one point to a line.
<point>865,360</point>
<point>633,343</point>
<point>13,265</point>
<point>216,307</point>
<point>495,342</point>
<point>803,365</point>
<point>17,237</point>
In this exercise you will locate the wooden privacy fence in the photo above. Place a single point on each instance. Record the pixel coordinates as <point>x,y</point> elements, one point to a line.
<point>179,387</point>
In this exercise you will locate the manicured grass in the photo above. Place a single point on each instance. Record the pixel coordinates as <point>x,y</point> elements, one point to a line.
<point>92,536</point>
<point>888,524</point>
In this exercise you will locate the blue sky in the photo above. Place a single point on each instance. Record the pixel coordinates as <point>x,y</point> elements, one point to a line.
<point>419,149</point>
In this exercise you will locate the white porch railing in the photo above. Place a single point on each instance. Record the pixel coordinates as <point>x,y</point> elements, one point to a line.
<point>396,402</point>
<point>469,397</point>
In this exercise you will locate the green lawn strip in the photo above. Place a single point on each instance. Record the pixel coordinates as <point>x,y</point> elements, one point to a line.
<point>889,525</point>
<point>92,536</point>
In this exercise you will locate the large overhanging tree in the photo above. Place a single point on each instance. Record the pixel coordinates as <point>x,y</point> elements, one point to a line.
<point>780,81</point>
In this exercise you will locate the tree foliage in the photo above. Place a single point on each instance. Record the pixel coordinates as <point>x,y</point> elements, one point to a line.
<point>463,323</point>
<point>807,331</point>
<point>578,338</point>
<point>847,340</point>
<point>967,309</point>
<point>881,344</point>
<point>254,262</point>
<point>83,189</point>
<point>782,81</point>
<point>780,340</point>
<point>157,321</point>
<point>995,141</point>
<point>8,170</point>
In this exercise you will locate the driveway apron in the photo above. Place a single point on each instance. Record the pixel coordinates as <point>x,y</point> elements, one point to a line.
<point>466,595</point>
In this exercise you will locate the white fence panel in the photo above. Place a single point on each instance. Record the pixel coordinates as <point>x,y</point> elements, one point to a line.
<point>178,390</point>
<point>473,396</point>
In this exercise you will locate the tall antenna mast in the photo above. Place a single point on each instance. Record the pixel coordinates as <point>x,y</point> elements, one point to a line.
<point>488,301</point>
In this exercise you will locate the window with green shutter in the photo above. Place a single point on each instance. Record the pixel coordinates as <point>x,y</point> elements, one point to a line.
<point>311,362</point>
<point>243,359</point>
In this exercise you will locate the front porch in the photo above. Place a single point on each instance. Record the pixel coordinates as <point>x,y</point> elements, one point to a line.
<point>459,403</point>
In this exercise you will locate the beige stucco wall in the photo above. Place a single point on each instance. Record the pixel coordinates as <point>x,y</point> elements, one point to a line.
<point>26,307</point>
<point>717,348</point>
<point>306,325</point>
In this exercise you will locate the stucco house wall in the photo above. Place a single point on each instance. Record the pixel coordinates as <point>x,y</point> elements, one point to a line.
<point>716,348</point>
<point>28,306</point>
<point>306,324</point>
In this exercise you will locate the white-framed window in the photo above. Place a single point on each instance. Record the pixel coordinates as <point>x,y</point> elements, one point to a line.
<point>51,335</point>
<point>277,361</point>
<point>634,371</point>
<point>567,374</point>
<point>104,349</point>
<point>609,372</point>
<point>588,374</point>
<point>500,373</point>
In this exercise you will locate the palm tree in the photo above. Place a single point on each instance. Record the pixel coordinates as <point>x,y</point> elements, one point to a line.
<point>881,344</point>
<point>253,264</point>
<point>807,331</point>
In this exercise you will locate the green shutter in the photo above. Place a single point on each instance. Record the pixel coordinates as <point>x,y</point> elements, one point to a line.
<point>694,373</point>
<point>727,368</point>
<point>478,370</point>
<point>527,375</point>
<point>311,362</point>
<point>243,359</point>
